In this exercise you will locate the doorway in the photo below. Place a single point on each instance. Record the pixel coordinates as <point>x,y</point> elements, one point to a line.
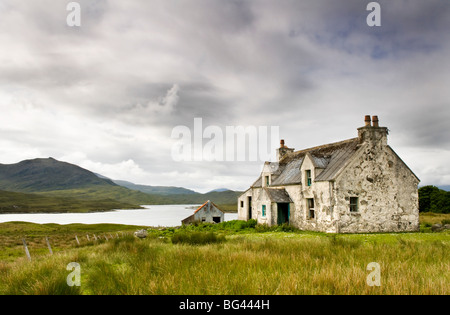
<point>283,213</point>
<point>249,207</point>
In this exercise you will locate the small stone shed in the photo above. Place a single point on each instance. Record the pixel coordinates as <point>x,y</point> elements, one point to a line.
<point>207,212</point>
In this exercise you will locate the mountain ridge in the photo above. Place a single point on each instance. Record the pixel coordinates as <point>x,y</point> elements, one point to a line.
<point>47,174</point>
<point>56,179</point>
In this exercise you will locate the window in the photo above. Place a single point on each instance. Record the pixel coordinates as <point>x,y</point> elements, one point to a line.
<point>263,210</point>
<point>308,177</point>
<point>267,180</point>
<point>311,212</point>
<point>353,204</point>
<point>242,204</point>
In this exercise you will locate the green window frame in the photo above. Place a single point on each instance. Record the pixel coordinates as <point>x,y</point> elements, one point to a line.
<point>308,177</point>
<point>353,204</point>
<point>263,210</point>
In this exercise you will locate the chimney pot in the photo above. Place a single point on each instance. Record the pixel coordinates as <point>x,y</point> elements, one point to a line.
<point>375,121</point>
<point>367,120</point>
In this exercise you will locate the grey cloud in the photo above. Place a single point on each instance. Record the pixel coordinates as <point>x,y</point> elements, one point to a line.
<point>314,68</point>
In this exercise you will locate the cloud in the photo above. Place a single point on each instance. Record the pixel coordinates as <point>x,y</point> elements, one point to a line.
<point>153,110</point>
<point>114,88</point>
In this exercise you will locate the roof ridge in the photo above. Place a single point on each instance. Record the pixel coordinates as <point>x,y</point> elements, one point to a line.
<point>201,206</point>
<point>323,146</point>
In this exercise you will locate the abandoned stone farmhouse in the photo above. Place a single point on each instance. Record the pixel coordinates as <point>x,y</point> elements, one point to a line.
<point>352,186</point>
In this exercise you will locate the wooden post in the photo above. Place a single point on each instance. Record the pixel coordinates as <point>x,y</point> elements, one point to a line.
<point>77,240</point>
<point>87,236</point>
<point>95,237</point>
<point>26,249</point>
<point>48,245</point>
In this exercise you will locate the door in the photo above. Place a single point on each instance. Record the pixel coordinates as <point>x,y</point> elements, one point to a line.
<point>283,213</point>
<point>249,207</point>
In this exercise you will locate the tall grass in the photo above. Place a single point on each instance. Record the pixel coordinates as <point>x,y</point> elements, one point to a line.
<point>242,265</point>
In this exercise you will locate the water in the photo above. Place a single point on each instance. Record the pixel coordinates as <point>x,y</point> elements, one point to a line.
<point>152,215</point>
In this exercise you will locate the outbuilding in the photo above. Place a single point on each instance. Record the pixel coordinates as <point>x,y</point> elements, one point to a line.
<point>207,212</point>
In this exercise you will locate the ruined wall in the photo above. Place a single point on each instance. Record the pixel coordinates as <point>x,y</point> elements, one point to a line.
<point>243,205</point>
<point>259,198</point>
<point>322,195</point>
<point>386,190</point>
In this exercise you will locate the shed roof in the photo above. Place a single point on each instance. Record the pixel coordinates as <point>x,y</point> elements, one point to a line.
<point>278,195</point>
<point>205,204</point>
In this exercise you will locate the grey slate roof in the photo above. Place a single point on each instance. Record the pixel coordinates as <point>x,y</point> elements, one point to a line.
<point>278,195</point>
<point>330,158</point>
<point>290,173</point>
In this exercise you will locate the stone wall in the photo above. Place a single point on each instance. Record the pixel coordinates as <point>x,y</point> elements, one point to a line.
<point>386,190</point>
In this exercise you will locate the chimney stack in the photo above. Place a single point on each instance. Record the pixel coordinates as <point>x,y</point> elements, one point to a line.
<point>283,150</point>
<point>375,121</point>
<point>372,133</point>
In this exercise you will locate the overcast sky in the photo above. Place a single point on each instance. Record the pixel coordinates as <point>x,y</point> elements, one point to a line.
<point>108,94</point>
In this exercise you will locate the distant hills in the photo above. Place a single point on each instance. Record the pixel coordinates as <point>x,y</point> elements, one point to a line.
<point>162,190</point>
<point>46,185</point>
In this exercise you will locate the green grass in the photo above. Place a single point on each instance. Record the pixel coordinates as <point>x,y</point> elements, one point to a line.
<point>274,260</point>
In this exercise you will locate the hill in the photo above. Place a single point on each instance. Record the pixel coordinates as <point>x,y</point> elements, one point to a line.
<point>161,190</point>
<point>64,183</point>
<point>40,175</point>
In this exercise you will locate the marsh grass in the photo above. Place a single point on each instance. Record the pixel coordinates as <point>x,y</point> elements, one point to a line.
<point>242,265</point>
<point>248,262</point>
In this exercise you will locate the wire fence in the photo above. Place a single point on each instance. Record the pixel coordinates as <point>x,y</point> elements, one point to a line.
<point>77,241</point>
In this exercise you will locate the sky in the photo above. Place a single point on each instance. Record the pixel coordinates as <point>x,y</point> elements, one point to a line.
<point>112,94</point>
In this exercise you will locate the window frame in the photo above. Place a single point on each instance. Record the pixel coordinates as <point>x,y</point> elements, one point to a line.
<point>308,178</point>
<point>354,206</point>
<point>263,210</point>
<point>311,210</point>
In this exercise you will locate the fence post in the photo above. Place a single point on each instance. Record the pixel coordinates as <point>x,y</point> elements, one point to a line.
<point>48,245</point>
<point>95,237</point>
<point>26,249</point>
<point>77,240</point>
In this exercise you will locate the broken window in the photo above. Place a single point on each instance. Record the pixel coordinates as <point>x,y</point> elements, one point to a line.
<point>311,211</point>
<point>308,177</point>
<point>353,204</point>
<point>263,210</point>
<point>242,204</point>
<point>267,180</point>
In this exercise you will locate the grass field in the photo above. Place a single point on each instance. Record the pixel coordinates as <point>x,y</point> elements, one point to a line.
<point>243,259</point>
